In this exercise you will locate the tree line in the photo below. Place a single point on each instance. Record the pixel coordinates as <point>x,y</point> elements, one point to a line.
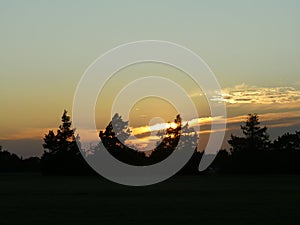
<point>252,152</point>
<point>10,162</point>
<point>255,153</point>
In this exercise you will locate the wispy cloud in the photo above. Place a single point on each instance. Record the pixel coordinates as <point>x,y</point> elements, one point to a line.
<point>245,94</point>
<point>26,133</point>
<point>271,120</point>
<point>204,121</point>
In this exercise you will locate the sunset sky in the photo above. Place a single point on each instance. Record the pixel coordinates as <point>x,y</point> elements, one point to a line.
<point>252,47</point>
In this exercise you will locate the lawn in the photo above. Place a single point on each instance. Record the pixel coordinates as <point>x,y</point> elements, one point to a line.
<point>33,199</point>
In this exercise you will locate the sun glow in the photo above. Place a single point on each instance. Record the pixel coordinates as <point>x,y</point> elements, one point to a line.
<point>171,125</point>
<point>153,128</point>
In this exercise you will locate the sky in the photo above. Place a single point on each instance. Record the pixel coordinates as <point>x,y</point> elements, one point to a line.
<point>45,46</point>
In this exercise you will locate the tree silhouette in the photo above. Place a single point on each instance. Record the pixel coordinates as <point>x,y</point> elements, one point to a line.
<point>286,148</point>
<point>63,140</point>
<point>169,141</point>
<point>189,138</point>
<point>288,142</point>
<point>9,162</point>
<point>113,138</point>
<point>117,132</point>
<point>255,137</point>
<point>62,154</point>
<point>249,154</point>
<point>253,152</point>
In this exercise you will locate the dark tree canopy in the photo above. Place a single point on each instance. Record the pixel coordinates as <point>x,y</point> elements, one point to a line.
<point>254,153</point>
<point>255,137</point>
<point>250,153</point>
<point>9,162</point>
<point>63,140</point>
<point>62,154</point>
<point>113,138</point>
<point>117,132</point>
<point>288,142</point>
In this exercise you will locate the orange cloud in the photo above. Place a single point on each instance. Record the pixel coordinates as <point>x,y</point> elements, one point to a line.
<point>244,94</point>
<point>26,133</point>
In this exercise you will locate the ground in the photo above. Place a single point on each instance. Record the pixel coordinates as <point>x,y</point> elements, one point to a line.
<point>33,199</point>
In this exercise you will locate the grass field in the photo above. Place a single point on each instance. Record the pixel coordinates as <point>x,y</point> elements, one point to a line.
<point>33,199</point>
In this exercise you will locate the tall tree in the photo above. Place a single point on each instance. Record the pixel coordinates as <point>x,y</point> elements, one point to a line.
<point>62,154</point>
<point>116,132</point>
<point>63,140</point>
<point>113,138</point>
<point>255,137</point>
<point>250,153</point>
<point>170,137</point>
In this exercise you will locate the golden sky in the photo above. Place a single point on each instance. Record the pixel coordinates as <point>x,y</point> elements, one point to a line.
<point>252,48</point>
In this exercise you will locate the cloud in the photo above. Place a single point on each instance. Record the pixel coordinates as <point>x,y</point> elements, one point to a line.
<point>271,120</point>
<point>203,121</point>
<point>244,94</point>
<point>26,133</point>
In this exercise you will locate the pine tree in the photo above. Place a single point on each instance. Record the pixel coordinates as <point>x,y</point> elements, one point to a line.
<point>255,137</point>
<point>63,140</point>
<point>116,133</point>
<point>62,152</point>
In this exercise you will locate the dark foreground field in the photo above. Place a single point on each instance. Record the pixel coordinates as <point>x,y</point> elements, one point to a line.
<point>33,199</point>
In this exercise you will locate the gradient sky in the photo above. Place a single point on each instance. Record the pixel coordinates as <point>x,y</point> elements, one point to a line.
<point>45,46</point>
